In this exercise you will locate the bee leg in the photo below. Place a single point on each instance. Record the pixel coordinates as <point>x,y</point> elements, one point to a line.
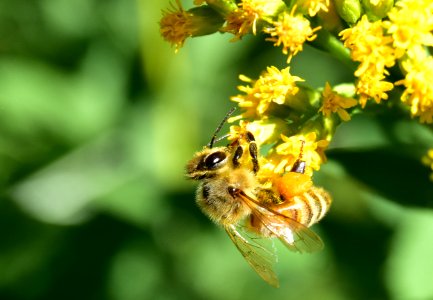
<point>253,151</point>
<point>237,155</point>
<point>298,166</point>
<point>269,196</point>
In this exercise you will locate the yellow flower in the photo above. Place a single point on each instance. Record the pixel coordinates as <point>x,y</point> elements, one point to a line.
<point>373,49</point>
<point>428,161</point>
<point>177,25</point>
<point>372,86</point>
<point>410,24</point>
<point>334,103</point>
<point>418,83</point>
<point>312,151</point>
<point>244,19</point>
<point>291,31</point>
<point>263,131</point>
<point>313,6</point>
<point>272,87</point>
<point>280,159</point>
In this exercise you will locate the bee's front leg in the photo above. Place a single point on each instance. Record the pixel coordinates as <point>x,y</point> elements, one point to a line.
<point>253,151</point>
<point>237,155</point>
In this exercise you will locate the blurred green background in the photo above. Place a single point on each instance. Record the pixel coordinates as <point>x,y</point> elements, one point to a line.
<point>98,117</point>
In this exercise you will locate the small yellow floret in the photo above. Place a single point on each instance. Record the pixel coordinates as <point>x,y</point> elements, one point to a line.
<point>273,86</point>
<point>335,103</point>
<point>291,31</point>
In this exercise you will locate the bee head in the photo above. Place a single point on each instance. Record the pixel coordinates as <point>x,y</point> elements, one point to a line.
<point>206,163</point>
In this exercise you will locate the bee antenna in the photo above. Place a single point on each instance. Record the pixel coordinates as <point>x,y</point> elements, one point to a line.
<point>214,139</point>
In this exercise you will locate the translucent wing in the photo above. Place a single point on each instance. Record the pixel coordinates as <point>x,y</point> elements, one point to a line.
<point>294,235</point>
<point>257,253</point>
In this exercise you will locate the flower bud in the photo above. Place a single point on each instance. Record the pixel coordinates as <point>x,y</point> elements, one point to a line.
<point>377,9</point>
<point>223,7</point>
<point>204,20</point>
<point>349,10</point>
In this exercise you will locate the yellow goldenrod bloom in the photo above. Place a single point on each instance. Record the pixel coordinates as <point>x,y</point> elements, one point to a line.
<point>372,86</point>
<point>177,24</point>
<point>291,148</point>
<point>264,131</point>
<point>291,31</point>
<point>244,19</point>
<point>373,49</point>
<point>335,103</point>
<point>418,83</point>
<point>280,159</point>
<point>410,24</point>
<point>273,86</point>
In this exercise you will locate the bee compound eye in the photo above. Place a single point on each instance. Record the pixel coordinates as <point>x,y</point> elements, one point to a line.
<point>214,160</point>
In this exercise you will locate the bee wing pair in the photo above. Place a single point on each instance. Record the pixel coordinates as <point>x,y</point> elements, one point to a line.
<point>257,252</point>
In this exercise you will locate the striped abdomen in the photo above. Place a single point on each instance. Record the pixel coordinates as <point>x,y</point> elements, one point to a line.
<point>307,208</point>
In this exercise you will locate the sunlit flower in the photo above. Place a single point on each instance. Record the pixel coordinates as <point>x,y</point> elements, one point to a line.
<point>335,103</point>
<point>272,87</point>
<point>410,24</point>
<point>313,6</point>
<point>262,131</point>
<point>304,146</point>
<point>291,31</point>
<point>373,49</point>
<point>244,19</point>
<point>177,24</point>
<point>372,86</point>
<point>280,159</point>
<point>418,83</point>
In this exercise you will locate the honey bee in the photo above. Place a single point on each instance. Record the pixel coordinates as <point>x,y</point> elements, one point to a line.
<point>231,195</point>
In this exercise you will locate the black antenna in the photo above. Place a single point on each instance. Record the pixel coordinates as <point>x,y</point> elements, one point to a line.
<point>212,141</point>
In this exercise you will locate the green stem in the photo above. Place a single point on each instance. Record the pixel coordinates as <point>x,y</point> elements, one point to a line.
<point>329,43</point>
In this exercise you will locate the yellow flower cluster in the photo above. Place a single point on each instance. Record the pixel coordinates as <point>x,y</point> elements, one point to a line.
<point>410,24</point>
<point>287,149</point>
<point>292,31</point>
<point>273,86</point>
<point>373,49</point>
<point>378,45</point>
<point>297,121</point>
<point>335,103</point>
<point>287,26</point>
<point>176,25</point>
<point>418,83</point>
<point>243,20</point>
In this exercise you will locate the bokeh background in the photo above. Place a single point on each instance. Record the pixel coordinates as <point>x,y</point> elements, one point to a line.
<point>98,117</point>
